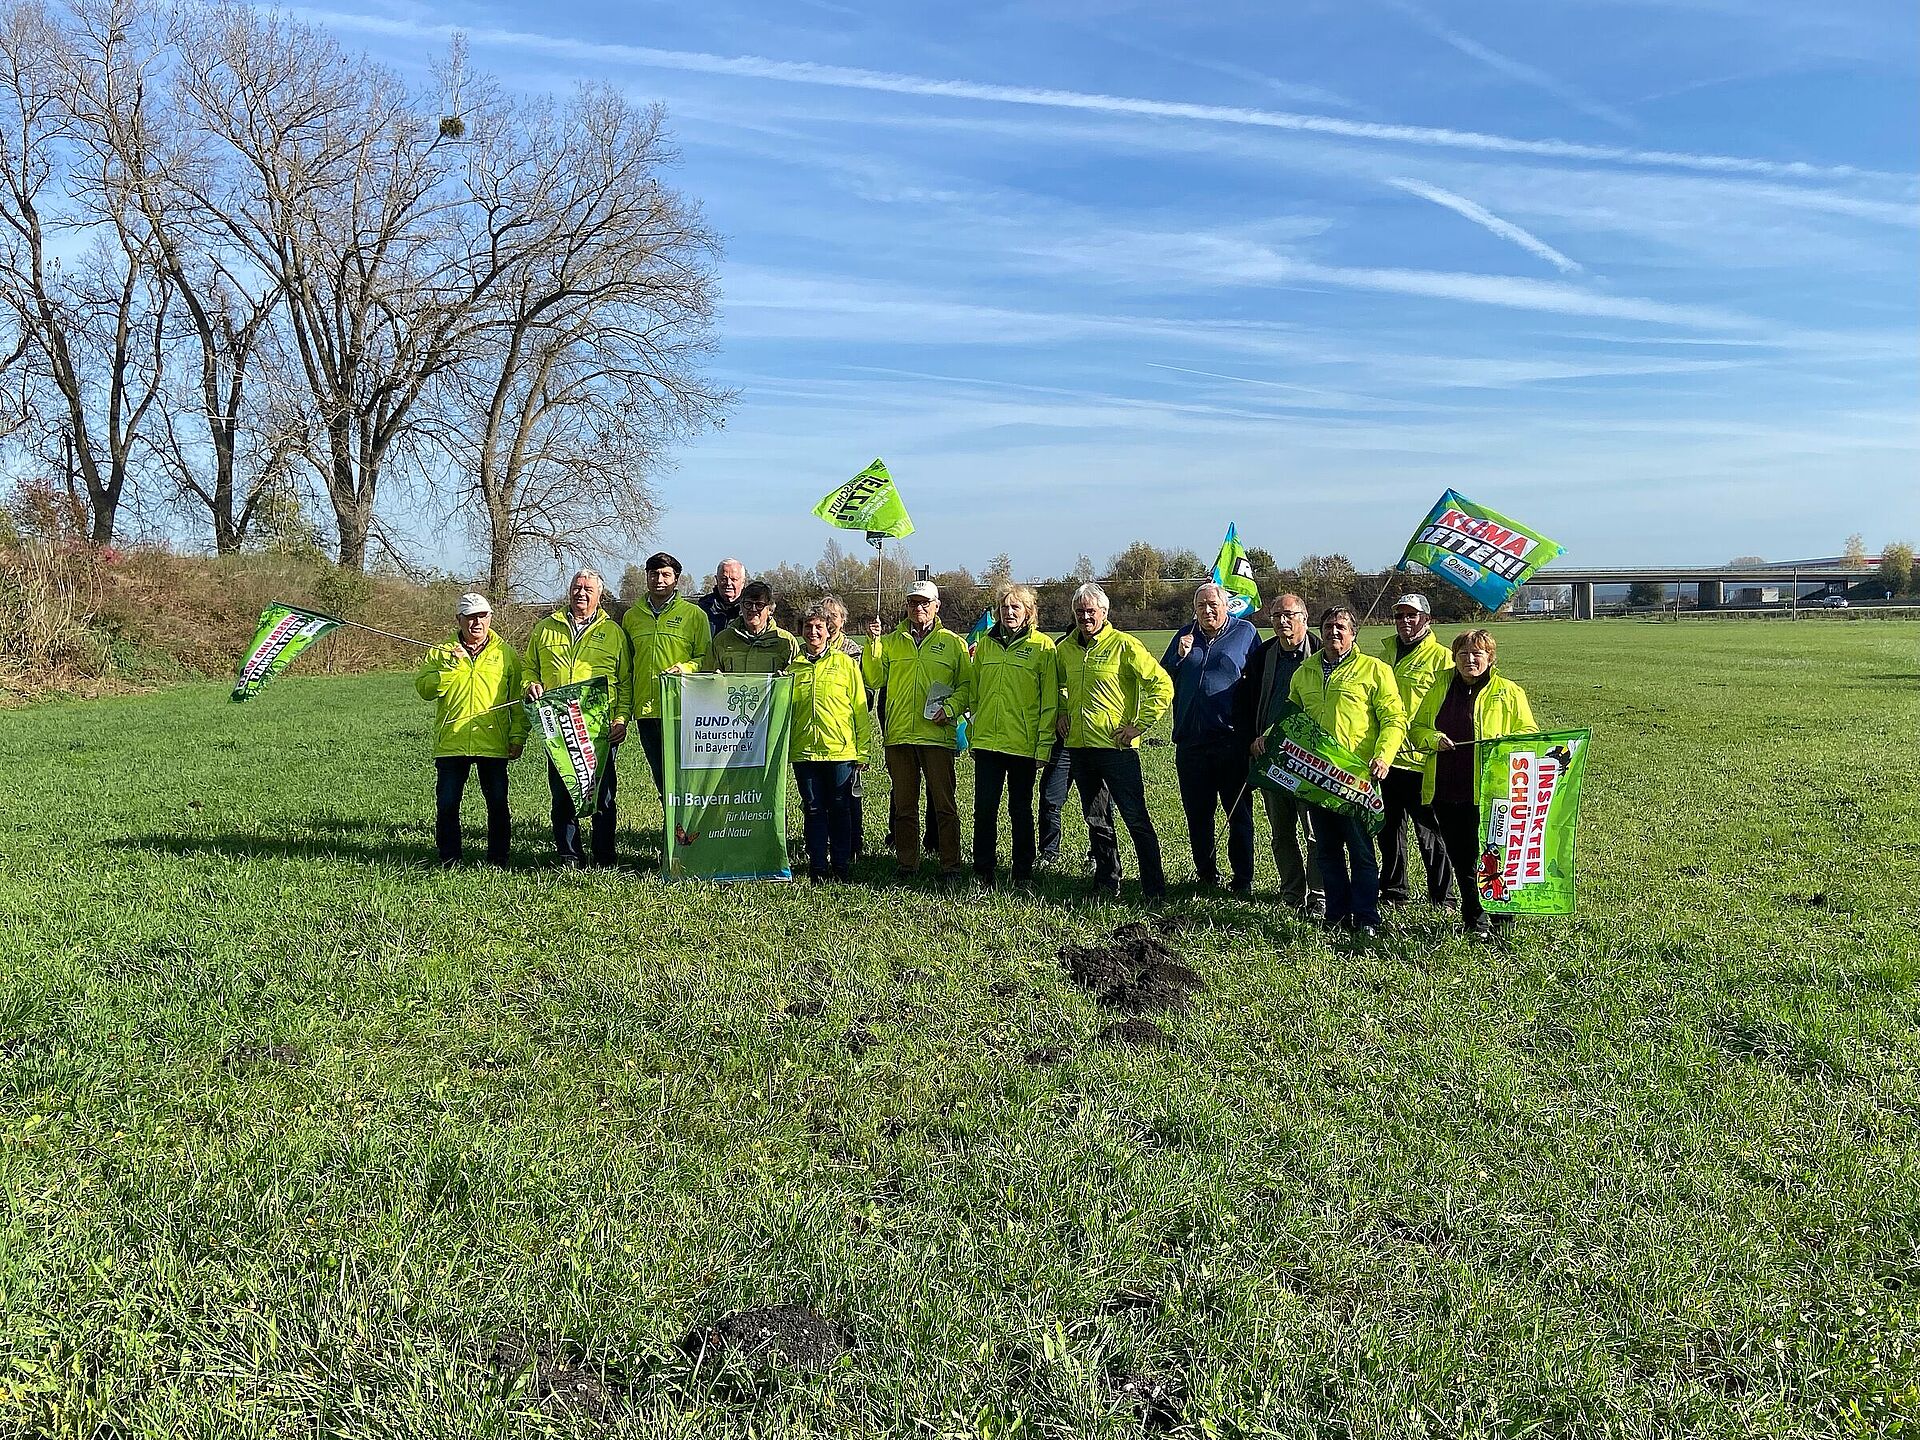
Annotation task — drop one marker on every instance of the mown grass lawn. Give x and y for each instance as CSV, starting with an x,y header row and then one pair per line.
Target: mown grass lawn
x,y
298,1136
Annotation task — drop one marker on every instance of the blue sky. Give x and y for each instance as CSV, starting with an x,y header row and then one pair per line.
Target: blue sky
x,y
1641,273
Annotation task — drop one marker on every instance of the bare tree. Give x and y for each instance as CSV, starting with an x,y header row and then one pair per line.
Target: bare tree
x,y
336,194
586,325
94,323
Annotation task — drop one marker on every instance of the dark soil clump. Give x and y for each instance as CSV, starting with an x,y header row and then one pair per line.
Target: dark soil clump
x,y
806,1009
1161,1403
1046,1055
1005,989
860,1039
1135,971
559,1383
1135,1032
790,1334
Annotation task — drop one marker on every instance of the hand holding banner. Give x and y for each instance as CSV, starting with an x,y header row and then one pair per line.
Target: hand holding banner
x,y
575,720
1309,764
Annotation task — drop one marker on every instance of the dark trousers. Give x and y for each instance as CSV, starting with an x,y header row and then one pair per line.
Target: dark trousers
x,y
1348,869
1400,793
1055,779
450,783
1108,780
907,766
826,808
993,772
649,732
1213,777
1460,829
566,819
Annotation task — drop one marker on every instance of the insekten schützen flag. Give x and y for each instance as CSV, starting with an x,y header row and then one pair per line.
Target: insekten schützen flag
x,y
1477,550
285,630
1234,572
867,502
1529,791
575,720
1309,764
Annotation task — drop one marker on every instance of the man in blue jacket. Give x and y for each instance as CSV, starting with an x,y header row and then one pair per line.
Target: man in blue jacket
x,y
1208,663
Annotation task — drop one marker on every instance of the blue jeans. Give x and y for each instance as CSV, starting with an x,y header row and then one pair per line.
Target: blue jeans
x,y
566,820
1213,777
450,783
826,807
1108,780
1351,895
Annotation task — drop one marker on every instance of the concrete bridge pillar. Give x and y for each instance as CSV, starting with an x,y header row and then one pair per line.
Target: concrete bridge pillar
x,y
1583,599
1713,594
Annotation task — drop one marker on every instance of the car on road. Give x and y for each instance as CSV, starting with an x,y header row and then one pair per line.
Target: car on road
x,y
1835,602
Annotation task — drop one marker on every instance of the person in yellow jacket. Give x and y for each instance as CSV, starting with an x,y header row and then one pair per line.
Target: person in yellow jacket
x,y
582,642
1470,705
1112,691
1420,662
478,725
832,738
929,680
751,644
666,632
1016,697
1354,698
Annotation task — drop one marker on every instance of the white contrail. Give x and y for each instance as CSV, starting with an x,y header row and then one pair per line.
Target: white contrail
x,y
802,72
1513,69
1487,220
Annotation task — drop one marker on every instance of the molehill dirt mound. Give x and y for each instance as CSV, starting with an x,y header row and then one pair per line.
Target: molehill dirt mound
x,y
1134,971
560,1380
1161,1403
259,1057
791,1334
1046,1055
1135,1032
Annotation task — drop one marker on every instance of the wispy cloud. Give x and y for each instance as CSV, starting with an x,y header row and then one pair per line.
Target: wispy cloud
x,y
1511,68
799,72
1487,220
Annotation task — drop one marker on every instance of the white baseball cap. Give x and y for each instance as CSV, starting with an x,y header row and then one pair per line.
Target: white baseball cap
x,y
923,590
1413,602
472,603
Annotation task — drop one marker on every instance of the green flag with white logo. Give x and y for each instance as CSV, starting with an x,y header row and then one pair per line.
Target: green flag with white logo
x,y
1233,572
724,747
575,719
1529,792
869,502
285,630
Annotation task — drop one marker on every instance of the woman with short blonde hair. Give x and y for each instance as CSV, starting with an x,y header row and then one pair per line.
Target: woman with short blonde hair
x,y
1015,698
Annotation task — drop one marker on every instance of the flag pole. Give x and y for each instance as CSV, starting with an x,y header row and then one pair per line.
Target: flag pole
x,y
423,644
878,540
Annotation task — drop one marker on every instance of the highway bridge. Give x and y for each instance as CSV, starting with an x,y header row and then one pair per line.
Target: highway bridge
x,y
1712,581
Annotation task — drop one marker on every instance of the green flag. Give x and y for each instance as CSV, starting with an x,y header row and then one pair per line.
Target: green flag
x,y
724,747
284,632
1477,550
1529,791
867,502
1311,765
575,720
1234,573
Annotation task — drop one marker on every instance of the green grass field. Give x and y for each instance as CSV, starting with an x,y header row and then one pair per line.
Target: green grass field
x,y
301,1137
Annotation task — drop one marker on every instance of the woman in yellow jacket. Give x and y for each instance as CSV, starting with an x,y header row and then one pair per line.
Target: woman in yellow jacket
x,y
1476,705
474,680
1016,695
832,737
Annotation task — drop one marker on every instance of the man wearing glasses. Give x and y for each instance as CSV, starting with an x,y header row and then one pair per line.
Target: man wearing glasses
x,y
1270,674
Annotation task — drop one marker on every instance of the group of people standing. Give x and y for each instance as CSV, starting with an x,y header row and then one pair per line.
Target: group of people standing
x,y
1042,715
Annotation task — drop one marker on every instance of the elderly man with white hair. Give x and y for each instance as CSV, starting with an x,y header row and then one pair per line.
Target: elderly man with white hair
x,y
582,642
1208,662
1112,692
722,603
473,682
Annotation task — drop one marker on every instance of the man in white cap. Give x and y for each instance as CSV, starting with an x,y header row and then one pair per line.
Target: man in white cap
x,y
475,683
1419,660
929,678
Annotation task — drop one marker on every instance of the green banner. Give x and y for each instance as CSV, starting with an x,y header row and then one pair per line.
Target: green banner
x,y
1233,572
285,630
867,502
1529,790
575,720
724,743
1311,765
